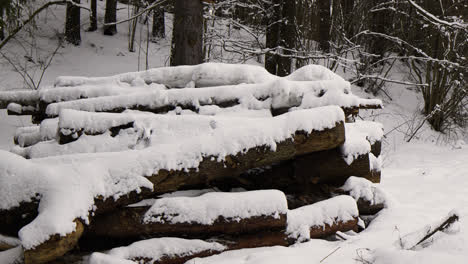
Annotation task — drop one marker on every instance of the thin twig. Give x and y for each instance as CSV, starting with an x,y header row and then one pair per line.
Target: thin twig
x,y
336,249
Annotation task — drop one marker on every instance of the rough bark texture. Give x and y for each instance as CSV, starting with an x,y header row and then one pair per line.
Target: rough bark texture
x,y
187,34
272,36
376,148
177,259
306,174
128,223
53,248
320,231
158,30
324,24
72,24
2,30
287,36
110,17
93,16
329,167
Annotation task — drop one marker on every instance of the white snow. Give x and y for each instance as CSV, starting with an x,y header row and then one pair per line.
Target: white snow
x,y
359,137
360,188
11,256
68,184
207,208
340,208
155,249
203,75
12,241
280,93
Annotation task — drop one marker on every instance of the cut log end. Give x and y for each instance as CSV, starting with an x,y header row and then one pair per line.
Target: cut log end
x,y
55,247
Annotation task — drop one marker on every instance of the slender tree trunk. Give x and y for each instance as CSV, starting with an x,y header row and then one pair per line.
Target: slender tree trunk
x,y
287,36
324,15
2,24
158,23
187,35
348,6
110,17
93,16
272,36
72,24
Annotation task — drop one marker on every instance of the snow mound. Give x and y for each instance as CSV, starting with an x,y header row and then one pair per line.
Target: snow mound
x,y
359,137
155,249
340,208
209,207
203,75
360,188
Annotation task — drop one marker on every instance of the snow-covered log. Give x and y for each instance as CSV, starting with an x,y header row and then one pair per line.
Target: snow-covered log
x,y
323,218
166,250
205,75
279,94
138,131
8,242
210,214
19,97
55,247
70,187
370,197
202,75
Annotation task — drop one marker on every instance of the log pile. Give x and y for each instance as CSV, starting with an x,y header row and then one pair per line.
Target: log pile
x,y
124,142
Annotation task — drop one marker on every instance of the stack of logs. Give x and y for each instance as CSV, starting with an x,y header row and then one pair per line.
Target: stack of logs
x,y
309,168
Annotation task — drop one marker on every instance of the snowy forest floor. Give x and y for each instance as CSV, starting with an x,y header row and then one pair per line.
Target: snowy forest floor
x,y
424,178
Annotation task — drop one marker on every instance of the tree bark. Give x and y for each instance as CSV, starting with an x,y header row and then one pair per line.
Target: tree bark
x,y
324,17
2,23
110,17
93,16
272,37
158,30
72,24
287,37
187,35
128,223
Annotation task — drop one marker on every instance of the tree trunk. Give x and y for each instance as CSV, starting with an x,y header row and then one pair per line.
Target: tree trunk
x,y
2,24
159,30
187,36
272,37
110,17
287,36
93,16
324,16
72,24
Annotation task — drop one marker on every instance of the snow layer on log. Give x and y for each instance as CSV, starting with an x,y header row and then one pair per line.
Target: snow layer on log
x,y
12,256
185,193
85,144
67,185
67,192
203,75
8,242
209,207
360,188
59,94
341,208
156,249
274,94
23,97
359,137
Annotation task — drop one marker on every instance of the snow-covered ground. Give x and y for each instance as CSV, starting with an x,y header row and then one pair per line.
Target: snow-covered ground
x,y
425,179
